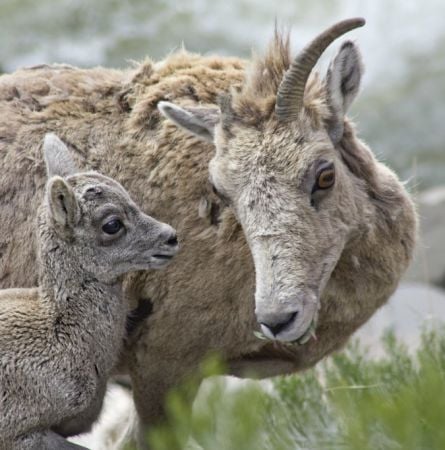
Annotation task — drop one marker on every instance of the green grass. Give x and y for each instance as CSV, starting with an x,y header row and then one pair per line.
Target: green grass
x,y
348,402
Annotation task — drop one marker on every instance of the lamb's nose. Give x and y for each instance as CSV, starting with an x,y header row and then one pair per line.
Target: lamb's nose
x,y
168,238
276,323
172,241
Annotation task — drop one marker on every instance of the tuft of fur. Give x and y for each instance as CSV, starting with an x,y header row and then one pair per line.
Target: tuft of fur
x,y
254,103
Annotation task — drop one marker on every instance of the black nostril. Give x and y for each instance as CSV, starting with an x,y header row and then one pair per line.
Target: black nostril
x,y
277,327
173,240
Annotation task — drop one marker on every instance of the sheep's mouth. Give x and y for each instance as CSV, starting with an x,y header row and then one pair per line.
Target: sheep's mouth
x,y
308,334
160,260
303,339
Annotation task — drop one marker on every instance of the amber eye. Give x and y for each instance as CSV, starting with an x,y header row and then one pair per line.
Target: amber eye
x,y
326,178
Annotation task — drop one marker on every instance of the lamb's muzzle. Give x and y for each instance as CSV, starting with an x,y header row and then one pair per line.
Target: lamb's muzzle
x,y
167,249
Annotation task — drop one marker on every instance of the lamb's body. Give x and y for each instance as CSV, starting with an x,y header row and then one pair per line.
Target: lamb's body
x,y
205,302
70,361
60,341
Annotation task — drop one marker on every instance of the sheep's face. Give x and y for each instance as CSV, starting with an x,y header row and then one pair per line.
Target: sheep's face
x,y
102,227
276,165
292,195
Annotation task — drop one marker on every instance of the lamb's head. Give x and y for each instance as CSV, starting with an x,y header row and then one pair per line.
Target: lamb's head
x,y
277,165
97,217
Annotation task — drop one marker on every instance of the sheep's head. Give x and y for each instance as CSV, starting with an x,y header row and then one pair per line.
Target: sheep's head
x,y
97,219
276,165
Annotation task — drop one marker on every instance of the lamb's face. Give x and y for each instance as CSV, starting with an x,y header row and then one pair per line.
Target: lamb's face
x,y
99,222
113,234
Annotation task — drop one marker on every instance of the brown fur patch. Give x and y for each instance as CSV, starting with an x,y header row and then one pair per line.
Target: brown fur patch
x,y
181,75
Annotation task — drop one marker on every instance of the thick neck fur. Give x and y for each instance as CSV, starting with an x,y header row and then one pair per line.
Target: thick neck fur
x,y
84,312
385,221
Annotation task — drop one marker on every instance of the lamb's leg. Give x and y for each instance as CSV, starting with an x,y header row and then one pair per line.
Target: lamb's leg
x,y
45,440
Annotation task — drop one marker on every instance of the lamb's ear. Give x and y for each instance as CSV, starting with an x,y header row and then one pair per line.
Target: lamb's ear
x,y
63,206
198,121
57,157
343,83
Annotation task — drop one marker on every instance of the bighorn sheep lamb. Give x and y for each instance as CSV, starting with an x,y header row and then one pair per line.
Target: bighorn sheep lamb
x,y
59,342
301,205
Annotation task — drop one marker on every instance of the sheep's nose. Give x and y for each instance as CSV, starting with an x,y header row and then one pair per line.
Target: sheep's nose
x,y
276,323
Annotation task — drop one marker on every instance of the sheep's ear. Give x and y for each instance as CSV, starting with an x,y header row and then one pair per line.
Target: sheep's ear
x,y
63,205
57,157
199,121
343,83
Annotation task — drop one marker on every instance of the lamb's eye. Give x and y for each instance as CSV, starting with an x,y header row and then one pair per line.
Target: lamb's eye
x,y
326,178
113,226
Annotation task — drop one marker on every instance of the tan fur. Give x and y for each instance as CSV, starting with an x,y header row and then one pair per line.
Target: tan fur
x,y
204,302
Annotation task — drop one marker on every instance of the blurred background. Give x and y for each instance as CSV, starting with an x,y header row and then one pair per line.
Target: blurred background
x,y
400,111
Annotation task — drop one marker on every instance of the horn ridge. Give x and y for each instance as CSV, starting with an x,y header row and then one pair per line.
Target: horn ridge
x,y
291,90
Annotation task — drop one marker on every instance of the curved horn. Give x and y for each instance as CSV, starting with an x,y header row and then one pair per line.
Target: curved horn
x,y
291,91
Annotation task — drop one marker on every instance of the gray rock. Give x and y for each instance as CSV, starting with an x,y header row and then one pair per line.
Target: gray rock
x,y
429,261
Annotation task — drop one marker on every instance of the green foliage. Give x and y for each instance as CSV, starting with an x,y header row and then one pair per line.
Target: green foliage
x,y
391,403
348,402
182,423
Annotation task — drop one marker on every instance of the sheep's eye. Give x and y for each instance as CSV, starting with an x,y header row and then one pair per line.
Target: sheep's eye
x,y
113,226
326,178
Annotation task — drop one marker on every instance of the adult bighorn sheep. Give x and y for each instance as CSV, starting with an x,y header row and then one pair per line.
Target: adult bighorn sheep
x,y
60,341
330,229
